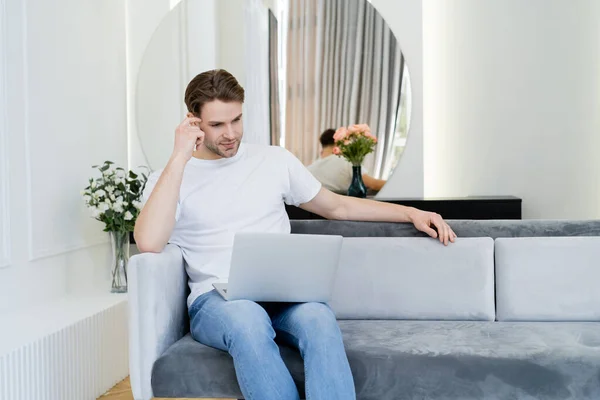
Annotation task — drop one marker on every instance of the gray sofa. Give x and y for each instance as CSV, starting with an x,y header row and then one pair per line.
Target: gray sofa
x,y
510,311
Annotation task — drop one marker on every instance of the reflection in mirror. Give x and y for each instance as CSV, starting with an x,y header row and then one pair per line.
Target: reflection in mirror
x,y
338,64
306,66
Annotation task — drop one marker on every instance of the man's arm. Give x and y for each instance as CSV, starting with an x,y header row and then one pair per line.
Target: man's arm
x,y
156,221
334,206
373,183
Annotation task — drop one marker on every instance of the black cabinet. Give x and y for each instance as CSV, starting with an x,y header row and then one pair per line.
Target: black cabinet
x,y
479,207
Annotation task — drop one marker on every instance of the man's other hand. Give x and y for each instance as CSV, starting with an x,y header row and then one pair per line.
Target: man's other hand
x,y
433,225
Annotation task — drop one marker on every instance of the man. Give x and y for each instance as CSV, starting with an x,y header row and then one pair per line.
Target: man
x,y
214,186
334,172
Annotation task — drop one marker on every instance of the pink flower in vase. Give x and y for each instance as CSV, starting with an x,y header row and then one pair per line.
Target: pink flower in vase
x,y
337,151
340,134
360,128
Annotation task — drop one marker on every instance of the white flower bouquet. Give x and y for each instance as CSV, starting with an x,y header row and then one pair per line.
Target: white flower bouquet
x,y
115,199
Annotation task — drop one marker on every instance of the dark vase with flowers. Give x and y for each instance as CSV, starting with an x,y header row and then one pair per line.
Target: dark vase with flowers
x,y
357,186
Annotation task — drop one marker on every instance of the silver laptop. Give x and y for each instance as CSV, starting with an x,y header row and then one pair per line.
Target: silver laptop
x,y
282,267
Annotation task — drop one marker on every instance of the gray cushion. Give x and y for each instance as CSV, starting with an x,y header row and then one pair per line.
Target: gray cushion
x,y
424,360
548,279
415,278
463,228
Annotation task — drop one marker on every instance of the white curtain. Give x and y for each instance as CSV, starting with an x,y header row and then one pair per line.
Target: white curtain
x,y
344,66
256,60
302,58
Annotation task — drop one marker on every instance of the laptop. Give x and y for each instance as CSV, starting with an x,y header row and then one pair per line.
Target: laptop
x,y
282,267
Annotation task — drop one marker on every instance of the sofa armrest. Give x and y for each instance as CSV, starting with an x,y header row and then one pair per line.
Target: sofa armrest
x,y
157,312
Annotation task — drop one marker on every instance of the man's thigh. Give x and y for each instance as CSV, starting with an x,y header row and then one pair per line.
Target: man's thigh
x,y
213,320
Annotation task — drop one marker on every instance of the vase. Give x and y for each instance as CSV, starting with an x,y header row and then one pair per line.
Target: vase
x,y
120,257
357,186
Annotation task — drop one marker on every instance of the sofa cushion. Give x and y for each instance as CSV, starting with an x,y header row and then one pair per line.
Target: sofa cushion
x,y
424,360
552,279
415,278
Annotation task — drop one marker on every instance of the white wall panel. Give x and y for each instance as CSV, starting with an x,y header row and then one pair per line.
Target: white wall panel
x,y
75,115
4,155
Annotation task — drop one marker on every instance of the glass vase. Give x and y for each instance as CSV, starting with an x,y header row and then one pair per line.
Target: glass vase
x,y
357,186
120,257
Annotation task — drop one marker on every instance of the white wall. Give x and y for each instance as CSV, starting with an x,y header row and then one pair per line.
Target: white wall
x,y
65,91
167,48
4,188
182,46
405,20
231,38
202,26
253,54
159,89
143,18
511,103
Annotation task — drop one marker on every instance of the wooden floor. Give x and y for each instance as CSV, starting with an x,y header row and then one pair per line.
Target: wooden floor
x,y
122,391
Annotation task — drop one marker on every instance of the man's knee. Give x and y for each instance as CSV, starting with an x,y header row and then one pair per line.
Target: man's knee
x,y
247,322
317,318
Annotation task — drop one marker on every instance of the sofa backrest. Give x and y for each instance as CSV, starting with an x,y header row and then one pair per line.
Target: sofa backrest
x,y
548,279
552,273
415,278
463,228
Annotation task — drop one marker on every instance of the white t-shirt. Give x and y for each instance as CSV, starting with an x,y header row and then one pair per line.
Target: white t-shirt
x,y
334,172
244,193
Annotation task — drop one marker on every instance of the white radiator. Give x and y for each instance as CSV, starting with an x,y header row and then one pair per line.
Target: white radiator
x,y
78,362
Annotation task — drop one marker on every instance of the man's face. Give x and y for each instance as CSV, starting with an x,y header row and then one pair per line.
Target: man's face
x,y
222,126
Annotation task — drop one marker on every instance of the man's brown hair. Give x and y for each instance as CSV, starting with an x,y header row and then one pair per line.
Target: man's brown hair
x,y
216,84
326,138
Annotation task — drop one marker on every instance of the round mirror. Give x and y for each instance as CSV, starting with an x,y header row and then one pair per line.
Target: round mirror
x,y
306,65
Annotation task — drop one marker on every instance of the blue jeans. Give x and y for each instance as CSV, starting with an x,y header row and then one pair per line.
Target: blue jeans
x,y
247,331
